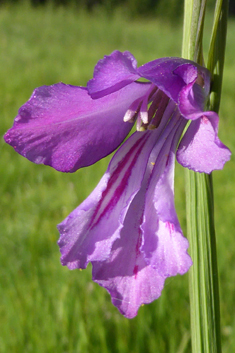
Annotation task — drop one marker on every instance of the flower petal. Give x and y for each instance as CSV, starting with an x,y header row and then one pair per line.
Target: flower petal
x,y
172,74
192,99
168,74
191,72
63,127
164,245
112,73
149,249
200,148
88,233
126,276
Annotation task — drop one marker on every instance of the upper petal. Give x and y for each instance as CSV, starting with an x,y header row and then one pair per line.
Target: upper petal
x,y
172,74
192,99
63,127
112,73
200,148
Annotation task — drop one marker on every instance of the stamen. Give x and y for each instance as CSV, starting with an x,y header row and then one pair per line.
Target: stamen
x,y
144,110
148,117
156,100
144,114
140,126
159,112
133,111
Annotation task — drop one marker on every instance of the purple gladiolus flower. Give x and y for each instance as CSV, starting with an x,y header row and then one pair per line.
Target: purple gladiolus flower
x,y
127,227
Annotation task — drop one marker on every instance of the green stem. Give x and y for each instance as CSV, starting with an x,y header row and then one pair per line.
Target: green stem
x,y
217,52
203,276
194,13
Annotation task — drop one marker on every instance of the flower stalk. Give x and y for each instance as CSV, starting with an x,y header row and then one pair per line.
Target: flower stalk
x,y
203,276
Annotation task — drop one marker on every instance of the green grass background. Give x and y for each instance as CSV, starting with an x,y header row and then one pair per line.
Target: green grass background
x,y
44,307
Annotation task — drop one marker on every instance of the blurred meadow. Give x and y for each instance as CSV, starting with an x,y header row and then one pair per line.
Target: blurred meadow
x,y
45,307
